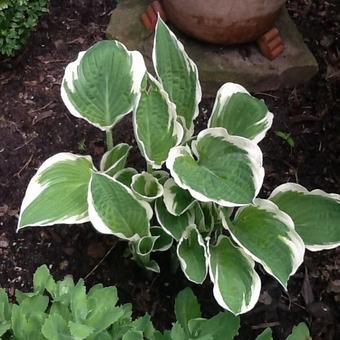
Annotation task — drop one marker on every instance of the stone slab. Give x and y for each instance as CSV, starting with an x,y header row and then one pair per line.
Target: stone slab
x,y
242,64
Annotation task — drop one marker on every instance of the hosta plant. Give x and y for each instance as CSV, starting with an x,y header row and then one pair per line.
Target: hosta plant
x,y
198,193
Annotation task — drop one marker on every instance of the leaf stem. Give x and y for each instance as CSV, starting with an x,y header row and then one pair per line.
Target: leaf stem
x,y
109,139
148,167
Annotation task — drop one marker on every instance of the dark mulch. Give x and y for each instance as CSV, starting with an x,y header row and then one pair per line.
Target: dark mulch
x,y
34,124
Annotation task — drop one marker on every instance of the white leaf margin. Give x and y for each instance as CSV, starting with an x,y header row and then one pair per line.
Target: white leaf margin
x,y
97,221
191,67
125,170
138,71
223,96
34,189
255,289
254,155
153,240
167,246
148,179
169,198
295,243
286,187
186,235
177,129
191,220
107,154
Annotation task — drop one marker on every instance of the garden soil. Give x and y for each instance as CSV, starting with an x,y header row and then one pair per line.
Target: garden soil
x,y
34,125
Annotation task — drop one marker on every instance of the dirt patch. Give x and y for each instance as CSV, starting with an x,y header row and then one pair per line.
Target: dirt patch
x,y
34,124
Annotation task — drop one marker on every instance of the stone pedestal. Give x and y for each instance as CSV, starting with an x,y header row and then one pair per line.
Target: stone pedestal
x,y
217,65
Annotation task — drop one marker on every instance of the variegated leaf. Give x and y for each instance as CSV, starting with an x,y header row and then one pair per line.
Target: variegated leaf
x,y
267,234
164,241
227,169
146,187
114,160
191,252
155,123
316,214
176,199
237,286
113,209
161,176
240,113
125,176
173,225
57,193
101,86
178,75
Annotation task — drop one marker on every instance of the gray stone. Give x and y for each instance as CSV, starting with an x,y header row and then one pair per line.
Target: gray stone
x,y
241,64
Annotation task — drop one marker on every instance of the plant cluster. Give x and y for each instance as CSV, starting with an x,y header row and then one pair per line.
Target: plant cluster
x,y
64,310
198,193
17,19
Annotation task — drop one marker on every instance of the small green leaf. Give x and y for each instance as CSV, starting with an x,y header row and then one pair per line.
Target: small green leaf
x,y
63,291
191,252
102,311
228,169
133,335
144,324
113,209
78,305
178,75
42,279
34,305
57,192
286,137
316,214
79,331
237,286
102,85
146,187
5,306
240,113
55,328
141,251
300,332
5,313
177,332
223,325
114,160
155,123
267,334
186,308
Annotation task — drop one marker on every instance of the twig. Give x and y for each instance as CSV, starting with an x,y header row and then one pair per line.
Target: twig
x,y
24,167
266,324
266,94
99,263
27,142
42,108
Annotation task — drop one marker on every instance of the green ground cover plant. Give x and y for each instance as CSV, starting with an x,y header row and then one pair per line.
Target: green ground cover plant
x,y
199,193
17,20
64,310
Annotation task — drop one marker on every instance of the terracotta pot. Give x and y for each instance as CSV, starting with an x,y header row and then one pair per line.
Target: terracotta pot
x,y
223,21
